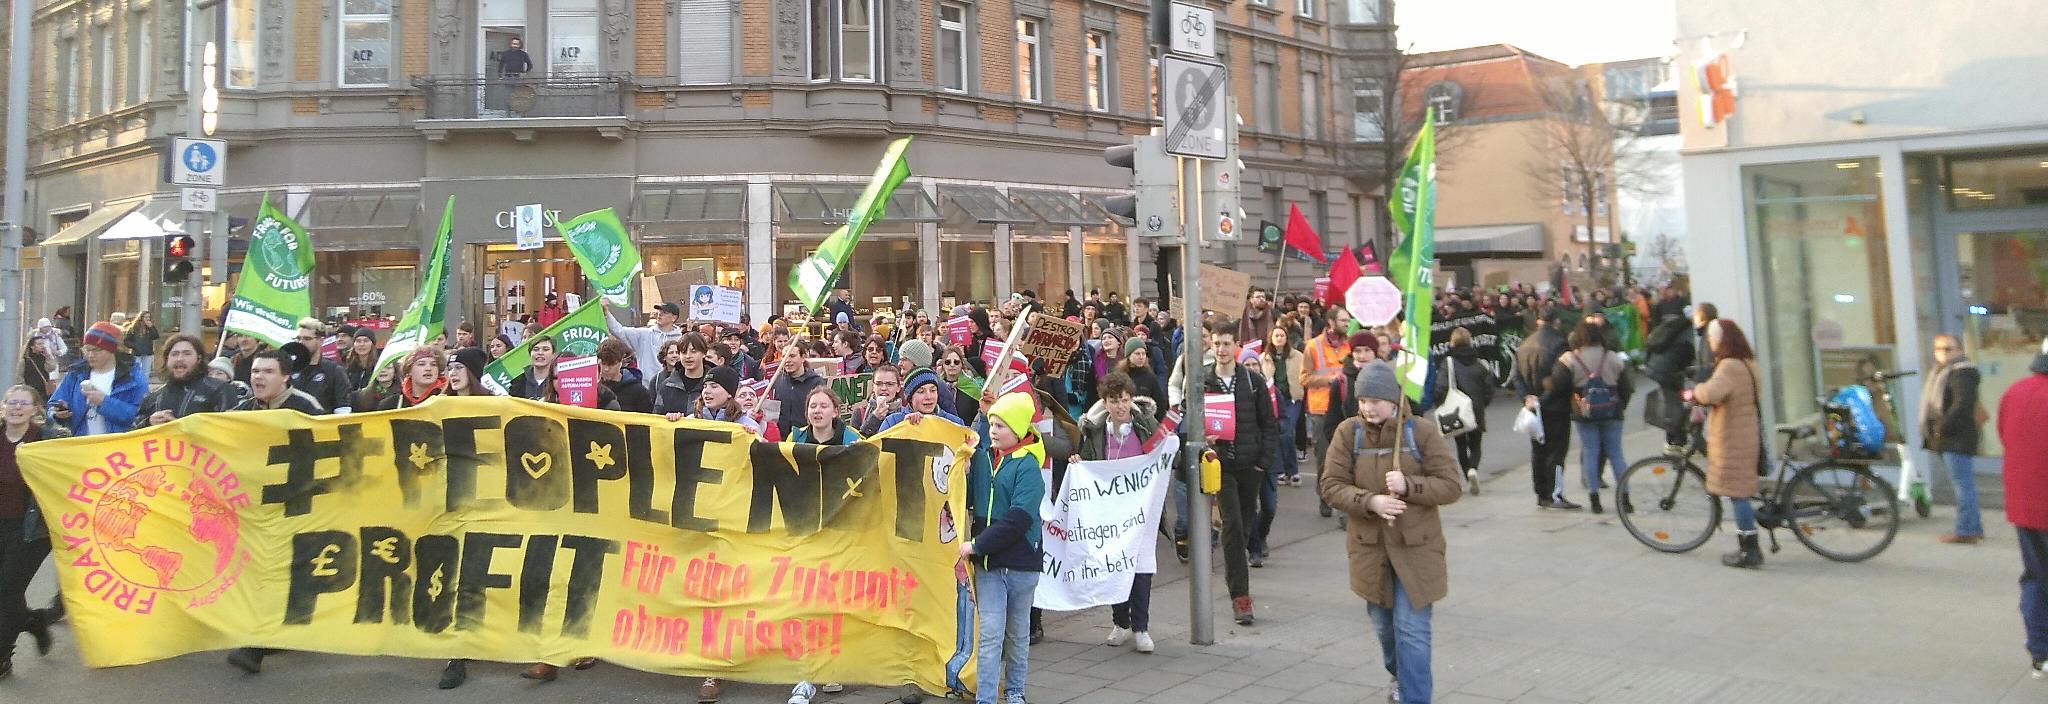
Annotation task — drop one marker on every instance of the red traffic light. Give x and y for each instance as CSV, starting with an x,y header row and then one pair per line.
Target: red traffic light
x,y
180,246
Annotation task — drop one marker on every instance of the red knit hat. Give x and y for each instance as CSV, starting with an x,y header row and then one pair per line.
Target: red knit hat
x,y
104,335
1367,340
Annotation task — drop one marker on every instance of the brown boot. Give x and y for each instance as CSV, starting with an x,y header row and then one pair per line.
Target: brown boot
x,y
708,692
541,671
1241,607
584,663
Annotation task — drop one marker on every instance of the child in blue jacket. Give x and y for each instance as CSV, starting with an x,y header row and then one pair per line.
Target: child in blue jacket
x,y
1006,500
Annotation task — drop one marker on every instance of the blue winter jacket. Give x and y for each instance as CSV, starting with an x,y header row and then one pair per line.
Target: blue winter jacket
x,y
117,410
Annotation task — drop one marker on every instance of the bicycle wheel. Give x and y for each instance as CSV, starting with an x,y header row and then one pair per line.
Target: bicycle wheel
x,y
1842,511
1663,502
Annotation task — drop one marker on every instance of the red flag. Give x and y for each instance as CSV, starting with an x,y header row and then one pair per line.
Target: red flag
x,y
1301,236
1564,287
1342,275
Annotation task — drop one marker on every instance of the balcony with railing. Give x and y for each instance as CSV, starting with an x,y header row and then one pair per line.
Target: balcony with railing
x,y
525,105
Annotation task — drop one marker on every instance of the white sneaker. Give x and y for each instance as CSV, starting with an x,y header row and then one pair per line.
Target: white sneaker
x,y
1118,635
1144,642
1393,691
2036,670
802,693
832,688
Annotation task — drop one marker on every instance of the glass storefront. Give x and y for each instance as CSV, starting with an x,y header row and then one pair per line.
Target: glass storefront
x,y
883,271
1105,265
116,275
1821,270
365,284
967,271
2005,291
515,282
1039,265
721,264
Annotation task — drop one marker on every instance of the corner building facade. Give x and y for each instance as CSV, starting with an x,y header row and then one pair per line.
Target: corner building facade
x,y
732,136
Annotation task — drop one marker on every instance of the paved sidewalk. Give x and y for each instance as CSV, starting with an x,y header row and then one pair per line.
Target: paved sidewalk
x,y
1544,607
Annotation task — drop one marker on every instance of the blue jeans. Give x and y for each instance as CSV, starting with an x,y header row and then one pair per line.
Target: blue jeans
x,y
1404,643
1961,470
1598,438
2034,590
1004,600
1287,463
1745,514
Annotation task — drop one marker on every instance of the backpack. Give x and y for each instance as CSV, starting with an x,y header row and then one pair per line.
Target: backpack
x,y
1407,438
1596,400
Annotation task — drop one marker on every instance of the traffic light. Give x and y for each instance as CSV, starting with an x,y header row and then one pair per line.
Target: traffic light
x,y
1222,211
178,250
1156,183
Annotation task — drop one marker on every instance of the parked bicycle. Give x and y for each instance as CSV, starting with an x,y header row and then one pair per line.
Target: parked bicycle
x,y
1836,508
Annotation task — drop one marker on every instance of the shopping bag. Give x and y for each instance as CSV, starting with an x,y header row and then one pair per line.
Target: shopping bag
x,y
1455,416
1527,422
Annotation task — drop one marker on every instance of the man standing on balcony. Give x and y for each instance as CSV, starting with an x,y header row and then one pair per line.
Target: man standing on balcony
x,y
513,61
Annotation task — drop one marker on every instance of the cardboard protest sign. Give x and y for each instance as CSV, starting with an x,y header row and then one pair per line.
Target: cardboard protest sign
x,y
714,303
502,529
1225,291
1052,340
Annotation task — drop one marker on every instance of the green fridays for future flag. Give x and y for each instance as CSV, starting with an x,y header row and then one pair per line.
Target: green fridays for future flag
x,y
1415,257
427,314
575,335
812,278
607,255
275,290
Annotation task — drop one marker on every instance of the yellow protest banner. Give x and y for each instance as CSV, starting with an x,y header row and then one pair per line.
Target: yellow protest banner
x,y
503,529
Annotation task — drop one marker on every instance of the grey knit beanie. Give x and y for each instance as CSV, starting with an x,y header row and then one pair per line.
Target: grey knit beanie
x,y
1377,381
919,353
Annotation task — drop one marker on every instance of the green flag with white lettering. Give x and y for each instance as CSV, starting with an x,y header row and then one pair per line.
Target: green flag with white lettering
x,y
1414,260
605,252
575,335
812,278
427,314
276,286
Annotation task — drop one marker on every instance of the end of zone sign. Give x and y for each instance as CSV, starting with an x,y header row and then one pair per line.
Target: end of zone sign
x,y
1193,98
196,162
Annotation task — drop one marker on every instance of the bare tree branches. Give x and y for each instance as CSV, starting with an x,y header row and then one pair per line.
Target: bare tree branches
x,y
1586,157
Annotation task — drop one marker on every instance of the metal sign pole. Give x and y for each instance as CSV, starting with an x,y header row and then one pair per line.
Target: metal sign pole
x,y
195,87
16,185
1201,592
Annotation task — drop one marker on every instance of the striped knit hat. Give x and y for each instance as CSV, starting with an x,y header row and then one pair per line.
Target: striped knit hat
x,y
104,335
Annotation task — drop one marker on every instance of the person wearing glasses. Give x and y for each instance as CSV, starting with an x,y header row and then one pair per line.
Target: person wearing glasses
x,y
24,540
1951,423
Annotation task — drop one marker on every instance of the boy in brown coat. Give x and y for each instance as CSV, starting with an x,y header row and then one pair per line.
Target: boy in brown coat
x,y
1389,473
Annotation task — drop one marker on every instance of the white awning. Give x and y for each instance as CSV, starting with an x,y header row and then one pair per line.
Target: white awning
x,y
1523,238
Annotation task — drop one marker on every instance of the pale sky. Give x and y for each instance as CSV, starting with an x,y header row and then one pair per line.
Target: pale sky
x,y
1572,31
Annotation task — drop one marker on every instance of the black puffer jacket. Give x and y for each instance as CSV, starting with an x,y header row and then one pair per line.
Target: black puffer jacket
x,y
1670,346
327,383
203,395
1257,429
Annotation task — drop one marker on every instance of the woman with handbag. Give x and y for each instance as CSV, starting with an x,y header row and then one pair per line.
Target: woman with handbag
x,y
1734,433
1466,373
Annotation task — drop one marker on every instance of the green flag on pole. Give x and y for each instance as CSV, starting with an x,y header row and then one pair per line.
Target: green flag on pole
x,y
424,318
812,278
575,335
605,252
1414,260
1627,323
276,286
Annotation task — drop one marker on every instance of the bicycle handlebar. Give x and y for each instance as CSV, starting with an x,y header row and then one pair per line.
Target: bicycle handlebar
x,y
1884,376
